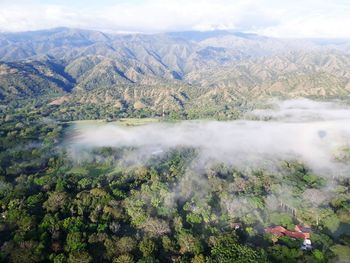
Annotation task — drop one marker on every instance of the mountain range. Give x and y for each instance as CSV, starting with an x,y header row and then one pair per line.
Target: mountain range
x,y
171,70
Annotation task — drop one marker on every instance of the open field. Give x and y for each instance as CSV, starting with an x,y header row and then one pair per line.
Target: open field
x,y
123,121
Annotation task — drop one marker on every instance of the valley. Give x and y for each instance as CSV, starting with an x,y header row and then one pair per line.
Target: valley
x,y
198,146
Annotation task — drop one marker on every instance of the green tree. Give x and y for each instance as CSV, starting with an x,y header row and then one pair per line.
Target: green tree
x,y
126,245
124,259
75,242
147,247
79,257
188,243
227,250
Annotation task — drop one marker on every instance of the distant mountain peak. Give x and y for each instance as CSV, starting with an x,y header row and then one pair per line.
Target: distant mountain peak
x,y
62,60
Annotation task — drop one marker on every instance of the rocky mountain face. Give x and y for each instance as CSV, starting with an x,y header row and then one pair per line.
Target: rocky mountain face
x,y
174,69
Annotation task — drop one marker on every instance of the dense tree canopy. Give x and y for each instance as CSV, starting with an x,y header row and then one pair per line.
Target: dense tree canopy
x,y
54,208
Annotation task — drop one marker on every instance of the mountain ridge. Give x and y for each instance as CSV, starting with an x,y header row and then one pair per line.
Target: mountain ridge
x,y
202,66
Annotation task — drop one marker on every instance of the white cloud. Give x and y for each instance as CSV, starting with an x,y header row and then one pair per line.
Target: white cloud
x,y
308,18
315,133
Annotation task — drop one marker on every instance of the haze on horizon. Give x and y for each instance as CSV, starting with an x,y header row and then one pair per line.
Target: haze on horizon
x,y
296,19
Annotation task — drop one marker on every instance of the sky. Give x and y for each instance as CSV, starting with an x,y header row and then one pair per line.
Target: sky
x,y
277,18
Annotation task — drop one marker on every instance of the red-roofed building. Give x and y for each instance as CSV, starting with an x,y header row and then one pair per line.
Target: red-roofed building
x,y
281,231
300,232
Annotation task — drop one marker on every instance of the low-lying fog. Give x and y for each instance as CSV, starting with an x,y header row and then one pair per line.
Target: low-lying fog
x,y
316,133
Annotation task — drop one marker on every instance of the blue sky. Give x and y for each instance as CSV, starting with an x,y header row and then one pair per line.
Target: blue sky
x,y
279,18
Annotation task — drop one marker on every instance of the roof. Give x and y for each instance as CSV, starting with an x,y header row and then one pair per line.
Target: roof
x,y
281,231
295,234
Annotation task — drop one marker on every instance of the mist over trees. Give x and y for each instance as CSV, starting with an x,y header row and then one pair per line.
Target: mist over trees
x,y
148,146
144,202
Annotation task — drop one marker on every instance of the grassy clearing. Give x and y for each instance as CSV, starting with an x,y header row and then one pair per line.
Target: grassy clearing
x,y
124,121
136,122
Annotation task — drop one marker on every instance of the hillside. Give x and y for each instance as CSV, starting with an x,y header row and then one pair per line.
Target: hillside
x,y
32,79
171,70
169,148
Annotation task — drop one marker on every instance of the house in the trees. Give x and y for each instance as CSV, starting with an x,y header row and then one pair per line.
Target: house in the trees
x,y
300,232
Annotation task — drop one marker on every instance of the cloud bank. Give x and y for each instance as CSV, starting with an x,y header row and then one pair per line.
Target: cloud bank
x,y
289,18
314,133
311,132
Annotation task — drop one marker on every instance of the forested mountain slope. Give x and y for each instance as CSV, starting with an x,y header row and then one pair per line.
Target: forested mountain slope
x,y
204,67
